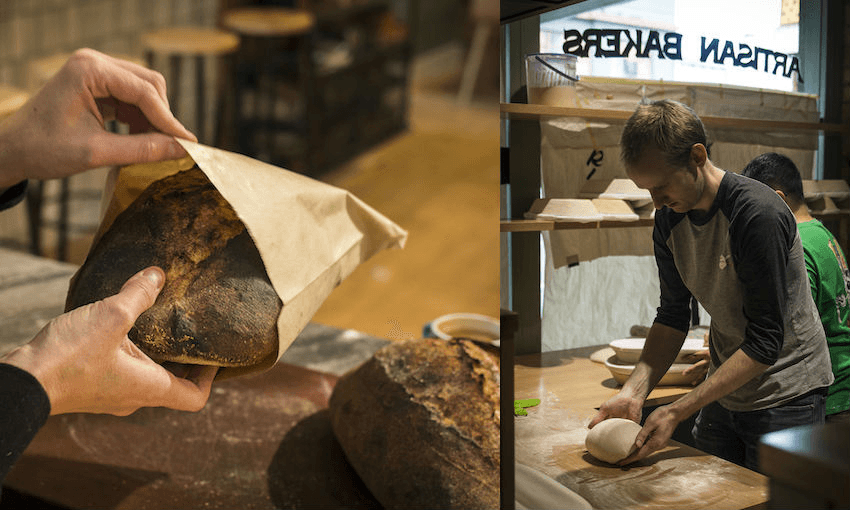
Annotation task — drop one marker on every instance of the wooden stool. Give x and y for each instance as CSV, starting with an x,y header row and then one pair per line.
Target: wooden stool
x,y
42,69
276,49
178,43
485,14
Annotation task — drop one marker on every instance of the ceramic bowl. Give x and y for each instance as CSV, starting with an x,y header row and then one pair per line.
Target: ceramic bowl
x,y
467,325
673,377
628,349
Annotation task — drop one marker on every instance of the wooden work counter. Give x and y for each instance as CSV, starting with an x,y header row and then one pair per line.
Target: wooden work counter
x,y
551,439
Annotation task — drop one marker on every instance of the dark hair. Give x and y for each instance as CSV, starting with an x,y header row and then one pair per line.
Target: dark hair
x,y
670,126
778,172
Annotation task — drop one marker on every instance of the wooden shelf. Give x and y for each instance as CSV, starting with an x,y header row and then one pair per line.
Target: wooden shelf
x,y
520,111
545,225
828,215
542,225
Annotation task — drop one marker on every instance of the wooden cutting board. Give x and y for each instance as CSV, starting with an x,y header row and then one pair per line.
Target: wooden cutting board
x,y
551,439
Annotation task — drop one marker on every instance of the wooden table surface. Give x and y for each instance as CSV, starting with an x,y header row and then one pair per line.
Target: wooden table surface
x,y
262,441
551,439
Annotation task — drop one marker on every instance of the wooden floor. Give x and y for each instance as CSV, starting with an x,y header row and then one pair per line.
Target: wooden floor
x,y
438,180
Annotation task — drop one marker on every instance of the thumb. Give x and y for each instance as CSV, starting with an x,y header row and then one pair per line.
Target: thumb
x,y
140,291
111,149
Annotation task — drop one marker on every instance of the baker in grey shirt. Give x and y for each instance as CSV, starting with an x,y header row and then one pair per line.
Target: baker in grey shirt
x,y
732,243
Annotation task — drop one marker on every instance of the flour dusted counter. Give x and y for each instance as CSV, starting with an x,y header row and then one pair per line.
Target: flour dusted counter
x,y
551,437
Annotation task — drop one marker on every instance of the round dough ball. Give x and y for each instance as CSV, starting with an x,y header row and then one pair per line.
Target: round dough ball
x,y
612,440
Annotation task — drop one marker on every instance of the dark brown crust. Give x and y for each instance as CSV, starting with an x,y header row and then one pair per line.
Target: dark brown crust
x,y
218,306
419,422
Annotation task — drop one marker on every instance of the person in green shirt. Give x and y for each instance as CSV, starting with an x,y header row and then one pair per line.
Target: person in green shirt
x,y
829,275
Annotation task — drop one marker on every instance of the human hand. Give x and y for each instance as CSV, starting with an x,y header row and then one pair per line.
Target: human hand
x,y
619,406
656,432
60,130
86,363
699,368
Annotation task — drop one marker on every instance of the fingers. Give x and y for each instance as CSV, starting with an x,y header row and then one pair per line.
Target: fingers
x,y
132,89
636,455
110,149
172,385
132,84
136,295
600,416
191,393
641,448
146,74
699,366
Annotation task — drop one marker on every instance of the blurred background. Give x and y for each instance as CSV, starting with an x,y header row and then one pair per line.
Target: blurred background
x,y
393,100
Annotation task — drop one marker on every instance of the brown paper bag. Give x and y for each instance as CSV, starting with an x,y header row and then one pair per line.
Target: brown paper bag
x,y
328,233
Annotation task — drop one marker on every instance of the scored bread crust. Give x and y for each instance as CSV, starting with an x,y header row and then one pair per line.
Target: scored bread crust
x,y
218,306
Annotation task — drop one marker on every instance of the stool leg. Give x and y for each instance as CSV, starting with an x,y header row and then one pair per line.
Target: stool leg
x,y
223,103
269,77
240,124
62,242
200,100
174,86
35,195
310,111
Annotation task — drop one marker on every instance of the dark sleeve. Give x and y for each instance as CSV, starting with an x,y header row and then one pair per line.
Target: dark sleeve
x,y
12,196
675,310
24,407
761,240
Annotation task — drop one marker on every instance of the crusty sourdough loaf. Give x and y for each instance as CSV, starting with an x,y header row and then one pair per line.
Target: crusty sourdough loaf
x,y
419,422
218,306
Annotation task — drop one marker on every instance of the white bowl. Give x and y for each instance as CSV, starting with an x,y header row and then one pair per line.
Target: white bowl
x,y
673,377
628,349
467,325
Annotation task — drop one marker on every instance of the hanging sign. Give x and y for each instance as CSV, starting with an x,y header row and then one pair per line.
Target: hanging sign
x,y
622,43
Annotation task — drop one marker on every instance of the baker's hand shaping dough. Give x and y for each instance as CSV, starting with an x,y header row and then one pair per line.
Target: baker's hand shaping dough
x,y
615,425
612,440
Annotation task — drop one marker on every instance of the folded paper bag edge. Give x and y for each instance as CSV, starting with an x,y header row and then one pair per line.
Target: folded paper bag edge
x,y
346,218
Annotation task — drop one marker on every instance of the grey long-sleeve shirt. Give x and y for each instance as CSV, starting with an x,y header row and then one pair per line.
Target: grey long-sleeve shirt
x,y
743,262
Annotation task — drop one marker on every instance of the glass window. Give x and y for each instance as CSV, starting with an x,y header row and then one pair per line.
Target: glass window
x,y
733,42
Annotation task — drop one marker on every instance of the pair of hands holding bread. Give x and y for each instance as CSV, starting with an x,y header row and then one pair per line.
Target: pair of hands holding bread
x,y
84,359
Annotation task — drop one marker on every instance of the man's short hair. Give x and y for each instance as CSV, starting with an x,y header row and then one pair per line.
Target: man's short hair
x,y
670,126
778,172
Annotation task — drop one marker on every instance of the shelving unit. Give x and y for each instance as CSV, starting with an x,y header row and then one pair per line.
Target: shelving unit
x,y
546,225
533,112
519,111
326,95
363,102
